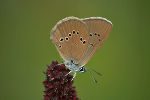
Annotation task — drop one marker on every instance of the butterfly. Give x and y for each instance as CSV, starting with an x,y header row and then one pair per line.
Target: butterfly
x,y
77,40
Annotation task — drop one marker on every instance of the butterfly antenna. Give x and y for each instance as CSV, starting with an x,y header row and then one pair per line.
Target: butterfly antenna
x,y
92,76
96,72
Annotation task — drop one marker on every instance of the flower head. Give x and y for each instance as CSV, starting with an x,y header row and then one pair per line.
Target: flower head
x,y
58,85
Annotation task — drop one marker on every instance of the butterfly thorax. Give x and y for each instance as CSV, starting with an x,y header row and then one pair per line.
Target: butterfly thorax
x,y
72,66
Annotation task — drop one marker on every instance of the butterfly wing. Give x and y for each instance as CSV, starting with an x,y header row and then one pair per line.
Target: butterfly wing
x,y
66,36
98,28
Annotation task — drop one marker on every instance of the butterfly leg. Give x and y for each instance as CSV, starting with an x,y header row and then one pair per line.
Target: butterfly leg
x,y
74,76
68,73
60,64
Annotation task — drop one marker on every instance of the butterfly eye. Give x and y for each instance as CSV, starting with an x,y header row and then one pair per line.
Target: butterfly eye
x,y
82,70
95,34
80,38
84,41
66,38
98,34
61,39
73,31
69,34
60,46
77,32
90,34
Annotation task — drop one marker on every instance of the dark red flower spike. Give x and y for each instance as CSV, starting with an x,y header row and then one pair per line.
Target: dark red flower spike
x,y
58,85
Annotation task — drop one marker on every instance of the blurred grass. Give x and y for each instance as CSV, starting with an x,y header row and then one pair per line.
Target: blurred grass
x,y
26,49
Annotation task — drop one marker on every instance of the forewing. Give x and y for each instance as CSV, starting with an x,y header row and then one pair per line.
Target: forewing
x,y
67,35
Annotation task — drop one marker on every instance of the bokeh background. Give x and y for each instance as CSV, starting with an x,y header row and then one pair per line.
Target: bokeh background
x,y
25,48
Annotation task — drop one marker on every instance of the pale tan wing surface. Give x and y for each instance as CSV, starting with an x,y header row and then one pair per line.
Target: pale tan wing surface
x,y
99,28
67,35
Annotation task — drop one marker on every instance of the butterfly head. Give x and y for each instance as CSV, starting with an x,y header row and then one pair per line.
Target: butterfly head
x,y
82,69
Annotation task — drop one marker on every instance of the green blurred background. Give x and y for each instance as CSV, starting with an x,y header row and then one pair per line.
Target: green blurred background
x,y
25,48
